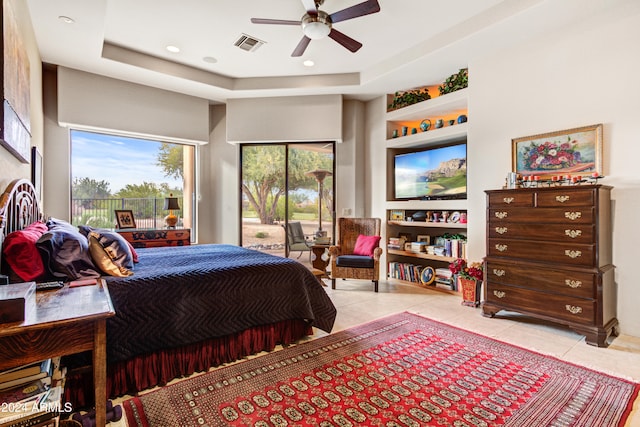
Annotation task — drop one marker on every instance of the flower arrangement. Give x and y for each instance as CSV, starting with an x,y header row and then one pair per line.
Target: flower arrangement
x,y
551,155
471,271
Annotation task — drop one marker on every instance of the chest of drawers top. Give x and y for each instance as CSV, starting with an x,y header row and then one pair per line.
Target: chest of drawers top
x,y
546,197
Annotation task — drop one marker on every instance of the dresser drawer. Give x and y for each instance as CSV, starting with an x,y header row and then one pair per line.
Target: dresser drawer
x,y
576,310
571,233
566,282
542,216
512,198
562,253
566,198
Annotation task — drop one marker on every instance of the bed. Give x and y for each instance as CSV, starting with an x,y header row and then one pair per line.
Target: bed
x,y
188,308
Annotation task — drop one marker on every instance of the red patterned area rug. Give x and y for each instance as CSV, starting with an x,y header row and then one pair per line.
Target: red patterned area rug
x,y
401,370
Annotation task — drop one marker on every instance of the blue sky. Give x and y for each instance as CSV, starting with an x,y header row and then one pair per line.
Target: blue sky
x,y
430,159
117,160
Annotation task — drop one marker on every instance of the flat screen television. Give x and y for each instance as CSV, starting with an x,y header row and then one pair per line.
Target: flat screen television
x,y
431,173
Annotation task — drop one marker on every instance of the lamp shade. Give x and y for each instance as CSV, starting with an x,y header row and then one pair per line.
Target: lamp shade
x,y
171,203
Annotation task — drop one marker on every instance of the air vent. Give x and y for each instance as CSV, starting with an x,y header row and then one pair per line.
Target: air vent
x,y
248,43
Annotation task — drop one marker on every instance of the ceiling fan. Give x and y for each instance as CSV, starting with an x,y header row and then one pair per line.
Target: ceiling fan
x,y
317,24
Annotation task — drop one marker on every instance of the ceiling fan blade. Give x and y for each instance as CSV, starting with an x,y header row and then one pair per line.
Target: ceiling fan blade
x,y
274,21
345,40
365,8
310,6
302,46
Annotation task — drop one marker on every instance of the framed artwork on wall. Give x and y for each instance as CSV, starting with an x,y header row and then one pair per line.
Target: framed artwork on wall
x,y
570,152
15,119
124,219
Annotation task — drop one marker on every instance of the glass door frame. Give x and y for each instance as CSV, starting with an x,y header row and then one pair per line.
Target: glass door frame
x,y
287,146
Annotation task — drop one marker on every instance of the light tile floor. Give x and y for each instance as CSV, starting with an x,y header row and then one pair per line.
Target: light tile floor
x,y
357,303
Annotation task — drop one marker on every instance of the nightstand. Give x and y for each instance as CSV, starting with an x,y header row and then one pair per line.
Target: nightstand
x,y
153,238
64,321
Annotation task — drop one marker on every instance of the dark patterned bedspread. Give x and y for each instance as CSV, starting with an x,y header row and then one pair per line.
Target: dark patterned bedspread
x,y
185,294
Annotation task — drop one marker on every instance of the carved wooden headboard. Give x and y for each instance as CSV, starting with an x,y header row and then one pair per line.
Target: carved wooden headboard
x,y
19,207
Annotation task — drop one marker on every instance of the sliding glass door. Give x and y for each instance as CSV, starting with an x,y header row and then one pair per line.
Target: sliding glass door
x,y
287,197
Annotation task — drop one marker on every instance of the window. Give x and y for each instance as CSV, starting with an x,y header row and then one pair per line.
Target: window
x,y
112,172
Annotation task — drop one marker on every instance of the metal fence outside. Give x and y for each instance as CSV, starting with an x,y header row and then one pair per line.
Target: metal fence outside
x,y
100,213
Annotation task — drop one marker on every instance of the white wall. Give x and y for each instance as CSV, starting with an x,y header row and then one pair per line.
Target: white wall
x,y
576,76
350,197
219,205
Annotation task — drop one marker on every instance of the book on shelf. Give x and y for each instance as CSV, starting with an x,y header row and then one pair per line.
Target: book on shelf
x,y
404,271
26,374
38,413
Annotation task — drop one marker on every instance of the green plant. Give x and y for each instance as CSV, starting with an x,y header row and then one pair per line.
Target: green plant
x,y
409,97
455,82
262,234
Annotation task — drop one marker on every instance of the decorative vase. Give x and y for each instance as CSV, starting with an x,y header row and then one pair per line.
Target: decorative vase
x,y
439,123
462,118
470,290
425,125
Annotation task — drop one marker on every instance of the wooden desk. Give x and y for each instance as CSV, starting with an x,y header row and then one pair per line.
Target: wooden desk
x,y
151,238
65,321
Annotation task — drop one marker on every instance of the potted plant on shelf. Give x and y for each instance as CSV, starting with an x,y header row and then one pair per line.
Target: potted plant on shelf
x,y
409,97
469,279
455,82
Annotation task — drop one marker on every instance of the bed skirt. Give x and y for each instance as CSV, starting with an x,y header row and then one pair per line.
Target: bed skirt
x,y
149,370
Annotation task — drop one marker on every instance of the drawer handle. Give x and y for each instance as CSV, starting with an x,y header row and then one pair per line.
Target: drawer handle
x,y
508,200
573,283
573,233
573,309
500,294
501,247
501,215
501,230
573,215
499,273
562,199
572,254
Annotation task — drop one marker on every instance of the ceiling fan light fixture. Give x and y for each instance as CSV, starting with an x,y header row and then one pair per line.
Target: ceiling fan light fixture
x,y
316,26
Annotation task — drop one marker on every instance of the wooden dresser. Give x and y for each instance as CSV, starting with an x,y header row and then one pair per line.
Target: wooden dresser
x,y
549,256
151,238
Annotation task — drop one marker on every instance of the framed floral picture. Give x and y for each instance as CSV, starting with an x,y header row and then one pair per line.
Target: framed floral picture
x,y
570,152
125,219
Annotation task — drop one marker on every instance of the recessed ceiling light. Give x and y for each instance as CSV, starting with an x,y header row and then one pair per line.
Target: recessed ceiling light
x,y
173,49
309,63
66,19
210,59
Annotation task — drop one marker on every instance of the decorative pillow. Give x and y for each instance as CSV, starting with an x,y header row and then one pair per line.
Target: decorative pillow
x,y
122,250
110,255
365,245
21,253
65,252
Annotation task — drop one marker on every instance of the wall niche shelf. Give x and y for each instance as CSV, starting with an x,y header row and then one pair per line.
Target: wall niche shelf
x,y
446,107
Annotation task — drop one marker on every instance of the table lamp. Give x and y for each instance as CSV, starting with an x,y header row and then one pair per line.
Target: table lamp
x,y
171,204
